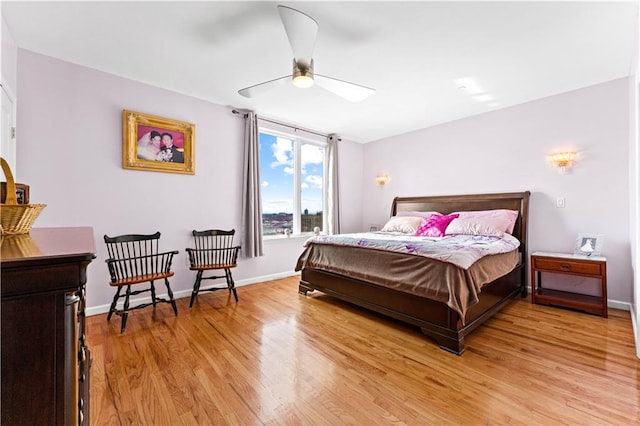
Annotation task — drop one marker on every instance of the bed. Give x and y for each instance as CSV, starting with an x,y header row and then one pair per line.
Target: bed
x,y
436,318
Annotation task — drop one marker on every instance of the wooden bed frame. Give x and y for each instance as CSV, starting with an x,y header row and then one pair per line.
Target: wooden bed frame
x,y
435,319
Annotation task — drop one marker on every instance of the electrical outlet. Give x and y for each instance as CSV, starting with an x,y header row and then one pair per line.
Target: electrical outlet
x,y
560,202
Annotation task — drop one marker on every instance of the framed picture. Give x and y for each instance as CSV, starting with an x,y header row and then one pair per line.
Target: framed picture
x,y
589,244
157,144
373,228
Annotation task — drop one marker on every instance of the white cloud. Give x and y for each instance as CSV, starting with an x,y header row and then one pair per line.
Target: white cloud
x,y
264,183
303,185
282,152
288,170
311,154
314,180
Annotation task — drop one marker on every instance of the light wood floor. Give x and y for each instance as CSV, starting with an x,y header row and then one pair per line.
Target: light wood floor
x,y
280,358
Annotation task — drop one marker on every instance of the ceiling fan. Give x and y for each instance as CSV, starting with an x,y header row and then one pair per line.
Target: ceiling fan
x,y
302,30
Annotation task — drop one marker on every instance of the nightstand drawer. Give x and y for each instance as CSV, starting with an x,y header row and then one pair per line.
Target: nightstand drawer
x,y
562,265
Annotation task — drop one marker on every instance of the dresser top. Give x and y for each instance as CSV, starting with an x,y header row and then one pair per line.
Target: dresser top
x,y
47,245
570,256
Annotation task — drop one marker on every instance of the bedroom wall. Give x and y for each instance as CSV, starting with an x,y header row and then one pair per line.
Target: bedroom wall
x,y
505,151
70,153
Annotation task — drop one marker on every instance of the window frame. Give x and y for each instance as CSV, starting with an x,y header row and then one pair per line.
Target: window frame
x,y
298,138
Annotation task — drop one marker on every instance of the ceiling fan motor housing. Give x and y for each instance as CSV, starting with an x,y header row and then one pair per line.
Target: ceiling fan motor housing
x,y
302,75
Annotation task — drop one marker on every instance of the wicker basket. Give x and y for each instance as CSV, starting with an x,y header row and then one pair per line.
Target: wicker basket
x,y
16,218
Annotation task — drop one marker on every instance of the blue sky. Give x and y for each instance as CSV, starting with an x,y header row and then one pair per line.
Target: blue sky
x,y
276,175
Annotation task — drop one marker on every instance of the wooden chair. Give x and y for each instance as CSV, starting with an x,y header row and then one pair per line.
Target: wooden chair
x,y
135,259
214,250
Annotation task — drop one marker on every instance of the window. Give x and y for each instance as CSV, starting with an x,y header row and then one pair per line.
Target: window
x,y
292,171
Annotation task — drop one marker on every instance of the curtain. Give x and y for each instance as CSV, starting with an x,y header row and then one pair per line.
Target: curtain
x,y
251,201
333,202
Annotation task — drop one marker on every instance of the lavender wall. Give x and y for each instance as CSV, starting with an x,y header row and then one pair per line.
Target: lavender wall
x,y
505,150
70,152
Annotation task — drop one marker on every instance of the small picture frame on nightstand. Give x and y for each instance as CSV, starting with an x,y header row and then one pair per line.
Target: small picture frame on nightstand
x,y
589,245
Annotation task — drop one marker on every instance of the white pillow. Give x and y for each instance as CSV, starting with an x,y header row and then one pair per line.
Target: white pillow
x,y
489,226
405,224
509,215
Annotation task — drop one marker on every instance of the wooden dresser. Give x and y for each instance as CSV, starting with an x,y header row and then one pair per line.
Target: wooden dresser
x,y
45,360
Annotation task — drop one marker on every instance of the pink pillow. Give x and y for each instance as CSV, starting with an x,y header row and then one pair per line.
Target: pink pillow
x,y
509,216
435,225
489,226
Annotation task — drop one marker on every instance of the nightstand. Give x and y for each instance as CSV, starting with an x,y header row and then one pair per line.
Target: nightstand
x,y
569,264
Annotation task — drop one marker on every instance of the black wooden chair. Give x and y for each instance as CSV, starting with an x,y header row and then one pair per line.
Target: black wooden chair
x,y
135,259
214,250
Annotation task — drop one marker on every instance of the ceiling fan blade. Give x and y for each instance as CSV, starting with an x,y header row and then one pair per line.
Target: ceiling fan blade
x,y
258,89
350,91
301,30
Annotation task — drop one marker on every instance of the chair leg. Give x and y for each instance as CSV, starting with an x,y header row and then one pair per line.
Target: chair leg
x,y
153,294
231,284
125,310
170,293
196,288
112,309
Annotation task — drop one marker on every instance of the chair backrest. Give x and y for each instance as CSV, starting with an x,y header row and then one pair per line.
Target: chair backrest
x,y
136,255
214,247
132,245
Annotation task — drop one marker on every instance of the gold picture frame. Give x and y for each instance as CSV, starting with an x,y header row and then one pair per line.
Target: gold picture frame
x,y
157,144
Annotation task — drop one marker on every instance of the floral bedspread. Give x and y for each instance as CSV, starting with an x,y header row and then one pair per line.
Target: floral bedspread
x,y
460,250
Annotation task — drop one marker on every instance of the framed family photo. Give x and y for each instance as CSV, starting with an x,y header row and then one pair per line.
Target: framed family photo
x,y
157,144
589,244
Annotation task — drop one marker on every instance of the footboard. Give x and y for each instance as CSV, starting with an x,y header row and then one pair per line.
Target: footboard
x,y
436,320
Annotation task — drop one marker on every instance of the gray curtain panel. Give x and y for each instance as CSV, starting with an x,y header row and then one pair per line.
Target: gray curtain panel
x,y
333,218
251,201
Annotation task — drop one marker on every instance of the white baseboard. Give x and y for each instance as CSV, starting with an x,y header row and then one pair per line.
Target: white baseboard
x,y
636,332
616,304
103,309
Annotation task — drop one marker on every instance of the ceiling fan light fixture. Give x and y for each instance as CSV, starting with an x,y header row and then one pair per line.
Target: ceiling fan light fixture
x,y
302,81
302,76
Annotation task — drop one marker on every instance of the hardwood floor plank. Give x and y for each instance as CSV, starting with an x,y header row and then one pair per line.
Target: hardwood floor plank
x,y
277,357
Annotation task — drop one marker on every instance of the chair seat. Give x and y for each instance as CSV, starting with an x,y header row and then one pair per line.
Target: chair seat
x,y
212,266
141,279
214,251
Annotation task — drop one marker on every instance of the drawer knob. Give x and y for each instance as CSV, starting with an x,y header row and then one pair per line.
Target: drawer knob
x,y
565,266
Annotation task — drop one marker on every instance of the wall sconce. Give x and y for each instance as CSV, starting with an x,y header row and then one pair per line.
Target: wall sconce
x,y
382,179
562,160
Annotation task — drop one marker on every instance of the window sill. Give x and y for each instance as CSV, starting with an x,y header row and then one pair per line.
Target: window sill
x,y
285,237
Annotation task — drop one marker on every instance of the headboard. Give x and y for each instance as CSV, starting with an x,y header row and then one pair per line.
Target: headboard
x,y
450,203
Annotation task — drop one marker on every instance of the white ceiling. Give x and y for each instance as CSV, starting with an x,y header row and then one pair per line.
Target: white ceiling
x,y
413,53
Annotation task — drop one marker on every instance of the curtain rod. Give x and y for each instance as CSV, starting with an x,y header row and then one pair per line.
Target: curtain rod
x,y
244,114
